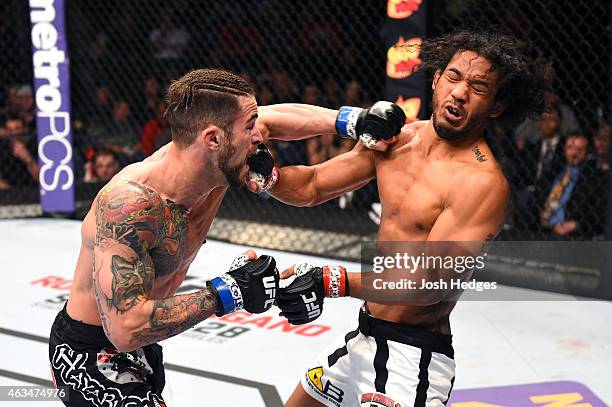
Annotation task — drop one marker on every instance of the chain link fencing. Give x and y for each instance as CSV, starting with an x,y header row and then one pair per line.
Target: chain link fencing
x,y
19,194
124,54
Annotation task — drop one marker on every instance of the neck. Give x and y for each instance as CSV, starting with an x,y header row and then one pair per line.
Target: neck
x,y
187,179
441,145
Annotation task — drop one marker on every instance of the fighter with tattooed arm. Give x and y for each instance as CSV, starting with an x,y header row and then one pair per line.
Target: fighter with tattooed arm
x,y
438,182
145,228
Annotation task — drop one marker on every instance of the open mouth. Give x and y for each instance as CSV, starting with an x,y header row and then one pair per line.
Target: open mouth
x,y
453,112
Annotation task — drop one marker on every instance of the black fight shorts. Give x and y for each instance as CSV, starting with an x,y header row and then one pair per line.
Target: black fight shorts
x,y
85,363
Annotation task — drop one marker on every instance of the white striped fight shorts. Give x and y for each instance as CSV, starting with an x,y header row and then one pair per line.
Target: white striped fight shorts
x,y
382,363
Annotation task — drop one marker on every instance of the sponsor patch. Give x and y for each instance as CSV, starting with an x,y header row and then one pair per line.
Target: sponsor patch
x,y
324,387
377,400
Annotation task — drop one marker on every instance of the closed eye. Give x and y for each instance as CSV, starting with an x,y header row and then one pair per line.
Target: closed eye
x,y
480,89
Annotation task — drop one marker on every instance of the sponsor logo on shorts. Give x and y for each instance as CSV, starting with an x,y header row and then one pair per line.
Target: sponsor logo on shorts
x,y
136,373
324,388
69,369
377,400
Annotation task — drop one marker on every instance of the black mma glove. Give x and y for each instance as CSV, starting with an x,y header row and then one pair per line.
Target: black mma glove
x,y
250,285
373,126
263,172
302,301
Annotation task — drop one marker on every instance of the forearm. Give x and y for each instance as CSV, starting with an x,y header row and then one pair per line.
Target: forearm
x,y
160,319
294,121
296,186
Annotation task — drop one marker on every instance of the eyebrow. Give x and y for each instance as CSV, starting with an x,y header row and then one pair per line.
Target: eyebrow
x,y
474,81
253,117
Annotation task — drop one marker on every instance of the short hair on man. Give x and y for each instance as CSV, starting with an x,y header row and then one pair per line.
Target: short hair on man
x,y
203,97
523,79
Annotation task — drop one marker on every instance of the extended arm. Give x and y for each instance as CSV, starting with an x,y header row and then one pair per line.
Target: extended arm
x,y
311,185
294,121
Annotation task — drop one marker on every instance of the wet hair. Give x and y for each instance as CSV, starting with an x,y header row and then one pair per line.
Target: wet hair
x,y
523,78
203,97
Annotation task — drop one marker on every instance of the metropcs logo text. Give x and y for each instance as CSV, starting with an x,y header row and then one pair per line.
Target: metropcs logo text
x,y
53,122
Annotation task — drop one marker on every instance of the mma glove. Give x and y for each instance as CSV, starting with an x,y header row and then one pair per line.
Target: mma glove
x,y
301,301
250,285
263,172
373,126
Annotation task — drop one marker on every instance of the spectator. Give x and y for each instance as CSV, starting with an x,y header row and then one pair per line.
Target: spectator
x,y
155,132
120,135
18,164
544,154
311,95
168,41
152,96
572,202
25,105
11,106
103,104
264,94
331,91
353,95
103,166
601,142
283,88
529,130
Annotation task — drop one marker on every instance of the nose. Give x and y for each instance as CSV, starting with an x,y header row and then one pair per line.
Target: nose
x,y
460,92
257,137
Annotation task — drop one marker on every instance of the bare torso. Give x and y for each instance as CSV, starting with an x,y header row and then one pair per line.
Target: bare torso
x,y
184,234
414,188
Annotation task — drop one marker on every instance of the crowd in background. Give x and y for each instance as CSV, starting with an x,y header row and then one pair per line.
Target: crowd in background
x,y
558,169
558,172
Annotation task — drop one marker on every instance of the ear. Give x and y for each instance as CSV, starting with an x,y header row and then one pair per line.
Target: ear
x,y
436,78
498,108
211,137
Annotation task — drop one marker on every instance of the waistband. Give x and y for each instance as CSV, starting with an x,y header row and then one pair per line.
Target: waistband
x,y
413,335
79,333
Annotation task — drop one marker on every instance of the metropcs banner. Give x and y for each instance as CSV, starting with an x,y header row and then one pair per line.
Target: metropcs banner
x,y
52,92
403,34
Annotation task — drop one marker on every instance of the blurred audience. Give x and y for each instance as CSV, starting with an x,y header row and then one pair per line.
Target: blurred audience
x,y
168,41
530,129
155,132
602,146
18,159
102,167
120,135
572,200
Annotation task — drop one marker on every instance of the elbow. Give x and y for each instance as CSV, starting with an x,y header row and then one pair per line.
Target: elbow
x,y
121,342
122,336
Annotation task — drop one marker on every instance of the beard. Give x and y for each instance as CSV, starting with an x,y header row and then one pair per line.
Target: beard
x,y
231,172
449,133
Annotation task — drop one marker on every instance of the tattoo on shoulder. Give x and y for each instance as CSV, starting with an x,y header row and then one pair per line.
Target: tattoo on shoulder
x,y
129,213
479,155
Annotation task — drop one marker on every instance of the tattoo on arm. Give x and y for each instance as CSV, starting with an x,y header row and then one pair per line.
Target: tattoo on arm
x,y
132,222
174,315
